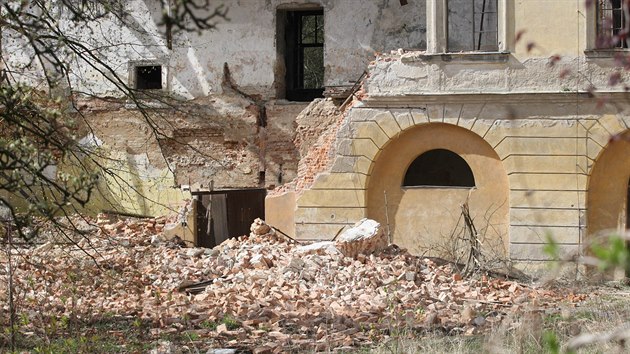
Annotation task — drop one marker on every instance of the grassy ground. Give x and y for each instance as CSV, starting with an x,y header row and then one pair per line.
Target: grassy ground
x,y
531,331
525,331
112,335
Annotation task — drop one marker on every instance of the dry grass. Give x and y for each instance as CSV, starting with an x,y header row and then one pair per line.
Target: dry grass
x,y
531,331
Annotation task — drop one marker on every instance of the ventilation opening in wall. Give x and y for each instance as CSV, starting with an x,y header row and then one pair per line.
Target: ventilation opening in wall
x,y
148,77
301,43
439,168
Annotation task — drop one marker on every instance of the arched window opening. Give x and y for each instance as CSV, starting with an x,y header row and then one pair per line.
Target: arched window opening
x,y
439,168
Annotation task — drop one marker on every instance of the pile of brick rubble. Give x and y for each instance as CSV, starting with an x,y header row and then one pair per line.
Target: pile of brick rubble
x,y
261,291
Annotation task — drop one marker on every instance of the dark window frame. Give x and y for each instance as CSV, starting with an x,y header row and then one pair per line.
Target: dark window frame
x,y
294,56
439,168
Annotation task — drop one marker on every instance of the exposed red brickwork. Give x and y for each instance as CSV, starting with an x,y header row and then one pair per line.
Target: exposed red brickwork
x,y
316,134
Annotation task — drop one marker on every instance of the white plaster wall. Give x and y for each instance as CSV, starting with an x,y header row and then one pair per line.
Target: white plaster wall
x,y
416,73
547,30
355,30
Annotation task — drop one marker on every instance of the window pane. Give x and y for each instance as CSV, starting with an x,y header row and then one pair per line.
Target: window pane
x,y
149,77
460,26
611,24
472,25
313,67
486,32
309,29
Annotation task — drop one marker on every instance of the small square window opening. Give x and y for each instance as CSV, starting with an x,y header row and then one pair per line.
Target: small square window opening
x,y
148,77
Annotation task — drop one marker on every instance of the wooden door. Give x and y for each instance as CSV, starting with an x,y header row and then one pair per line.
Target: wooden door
x,y
243,207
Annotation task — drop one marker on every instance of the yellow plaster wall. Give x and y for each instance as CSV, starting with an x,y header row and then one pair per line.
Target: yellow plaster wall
x,y
533,171
280,212
145,190
422,219
556,27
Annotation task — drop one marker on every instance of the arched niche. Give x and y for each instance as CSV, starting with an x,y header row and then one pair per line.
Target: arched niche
x,y
424,218
607,196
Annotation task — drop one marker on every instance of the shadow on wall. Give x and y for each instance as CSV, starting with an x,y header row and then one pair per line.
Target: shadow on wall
x,y
424,219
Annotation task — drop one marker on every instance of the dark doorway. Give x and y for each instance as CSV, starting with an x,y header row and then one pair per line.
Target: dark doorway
x,y
304,54
225,214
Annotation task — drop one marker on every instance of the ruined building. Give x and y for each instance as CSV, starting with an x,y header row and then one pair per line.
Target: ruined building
x,y
396,110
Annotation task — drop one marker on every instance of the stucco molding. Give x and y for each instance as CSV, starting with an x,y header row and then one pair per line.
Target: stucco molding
x,y
600,133
419,101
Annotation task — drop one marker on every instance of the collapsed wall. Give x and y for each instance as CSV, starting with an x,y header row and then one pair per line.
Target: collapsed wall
x,y
316,131
215,142
205,130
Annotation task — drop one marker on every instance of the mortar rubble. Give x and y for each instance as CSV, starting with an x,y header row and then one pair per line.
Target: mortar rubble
x,y
261,291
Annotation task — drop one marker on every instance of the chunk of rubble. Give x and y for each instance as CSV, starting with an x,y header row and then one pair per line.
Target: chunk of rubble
x,y
260,228
259,261
319,247
195,252
365,237
156,239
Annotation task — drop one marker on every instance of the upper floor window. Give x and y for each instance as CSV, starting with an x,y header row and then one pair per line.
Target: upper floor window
x,y
304,54
469,26
439,168
472,25
612,28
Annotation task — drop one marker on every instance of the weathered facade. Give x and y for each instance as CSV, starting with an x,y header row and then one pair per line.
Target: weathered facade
x,y
448,91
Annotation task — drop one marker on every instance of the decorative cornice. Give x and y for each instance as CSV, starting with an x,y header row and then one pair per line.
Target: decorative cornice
x,y
419,100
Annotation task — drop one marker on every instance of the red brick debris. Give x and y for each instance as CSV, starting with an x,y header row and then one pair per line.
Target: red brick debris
x,y
260,292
